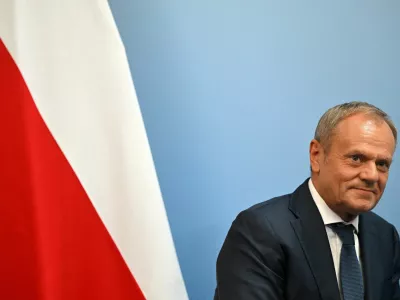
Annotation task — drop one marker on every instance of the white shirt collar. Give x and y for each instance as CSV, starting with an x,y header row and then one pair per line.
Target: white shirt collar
x,y
327,214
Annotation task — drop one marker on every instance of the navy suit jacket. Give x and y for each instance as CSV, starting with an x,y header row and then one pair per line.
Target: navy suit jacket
x,y
279,250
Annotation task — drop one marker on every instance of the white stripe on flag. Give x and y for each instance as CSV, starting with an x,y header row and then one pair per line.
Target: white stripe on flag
x,y
75,66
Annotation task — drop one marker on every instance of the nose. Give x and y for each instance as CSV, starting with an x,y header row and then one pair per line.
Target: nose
x,y
369,173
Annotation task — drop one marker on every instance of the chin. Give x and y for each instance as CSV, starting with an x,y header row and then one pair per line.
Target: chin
x,y
363,205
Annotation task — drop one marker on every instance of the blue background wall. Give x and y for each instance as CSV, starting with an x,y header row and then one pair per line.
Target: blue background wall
x,y
231,92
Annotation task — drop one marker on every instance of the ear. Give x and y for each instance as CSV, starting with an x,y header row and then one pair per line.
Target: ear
x,y
316,155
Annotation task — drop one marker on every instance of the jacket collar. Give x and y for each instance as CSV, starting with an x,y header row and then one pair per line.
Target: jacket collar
x,y
311,232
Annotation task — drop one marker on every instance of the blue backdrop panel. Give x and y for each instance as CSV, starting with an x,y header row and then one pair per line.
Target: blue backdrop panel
x,y
231,92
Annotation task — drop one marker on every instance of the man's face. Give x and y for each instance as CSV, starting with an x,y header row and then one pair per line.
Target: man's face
x,y
352,174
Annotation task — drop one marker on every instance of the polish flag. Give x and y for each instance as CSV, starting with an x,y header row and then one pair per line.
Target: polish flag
x,y
81,212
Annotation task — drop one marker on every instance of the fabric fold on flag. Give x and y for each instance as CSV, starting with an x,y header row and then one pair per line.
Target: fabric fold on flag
x,y
82,212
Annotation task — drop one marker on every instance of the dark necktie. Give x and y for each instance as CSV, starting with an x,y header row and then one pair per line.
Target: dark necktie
x,y
351,279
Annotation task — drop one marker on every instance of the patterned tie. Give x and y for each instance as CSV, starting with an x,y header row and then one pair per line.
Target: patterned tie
x,y
351,279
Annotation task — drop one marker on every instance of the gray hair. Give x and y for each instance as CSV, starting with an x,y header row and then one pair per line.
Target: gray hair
x,y
333,116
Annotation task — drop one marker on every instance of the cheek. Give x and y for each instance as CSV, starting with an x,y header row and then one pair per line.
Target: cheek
x,y
345,192
382,183
343,172
344,179
349,174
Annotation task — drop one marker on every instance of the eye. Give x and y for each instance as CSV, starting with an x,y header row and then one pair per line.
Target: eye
x,y
355,158
382,164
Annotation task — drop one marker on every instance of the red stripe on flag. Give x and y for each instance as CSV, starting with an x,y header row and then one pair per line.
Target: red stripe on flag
x,y
53,245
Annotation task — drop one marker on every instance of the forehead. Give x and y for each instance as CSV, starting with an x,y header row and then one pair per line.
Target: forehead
x,y
366,133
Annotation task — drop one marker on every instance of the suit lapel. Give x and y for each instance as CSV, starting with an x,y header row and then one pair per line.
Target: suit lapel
x,y
369,253
311,232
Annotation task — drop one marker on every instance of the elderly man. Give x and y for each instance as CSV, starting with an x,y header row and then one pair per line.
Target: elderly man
x,y
322,241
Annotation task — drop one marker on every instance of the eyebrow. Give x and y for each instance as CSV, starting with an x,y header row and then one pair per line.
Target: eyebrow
x,y
386,159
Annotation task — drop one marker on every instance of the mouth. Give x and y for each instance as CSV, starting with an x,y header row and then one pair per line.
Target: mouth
x,y
366,190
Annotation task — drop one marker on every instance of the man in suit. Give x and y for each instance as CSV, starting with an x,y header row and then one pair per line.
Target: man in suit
x,y
322,241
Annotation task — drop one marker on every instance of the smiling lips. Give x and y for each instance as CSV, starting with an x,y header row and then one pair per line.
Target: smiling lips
x,y
366,190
